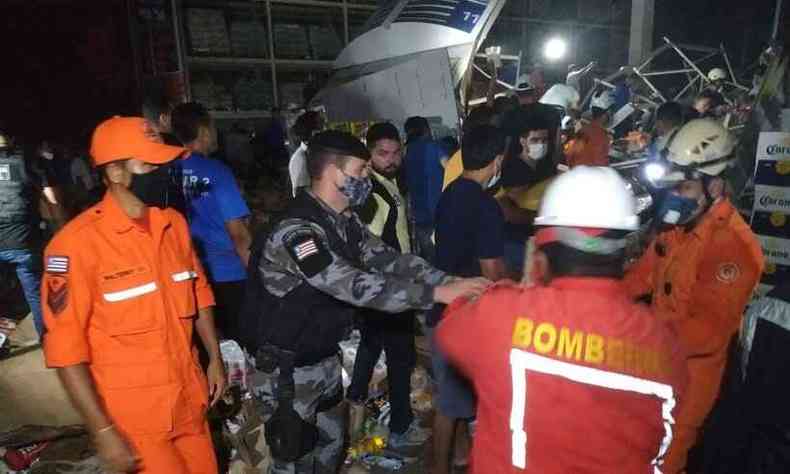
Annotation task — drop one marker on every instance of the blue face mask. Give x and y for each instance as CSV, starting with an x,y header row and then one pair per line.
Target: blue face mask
x,y
356,190
677,210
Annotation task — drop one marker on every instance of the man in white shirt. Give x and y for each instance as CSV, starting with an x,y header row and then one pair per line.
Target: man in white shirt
x,y
576,74
305,127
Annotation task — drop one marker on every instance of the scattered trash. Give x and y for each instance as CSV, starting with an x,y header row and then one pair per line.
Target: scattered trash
x,y
22,458
31,434
421,390
91,465
235,360
384,462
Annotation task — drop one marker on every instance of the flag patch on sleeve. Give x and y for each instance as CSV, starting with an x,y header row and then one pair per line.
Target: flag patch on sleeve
x,y
305,249
57,264
308,252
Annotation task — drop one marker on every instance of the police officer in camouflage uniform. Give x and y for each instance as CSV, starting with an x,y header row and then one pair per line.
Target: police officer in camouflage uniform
x,y
23,183
317,266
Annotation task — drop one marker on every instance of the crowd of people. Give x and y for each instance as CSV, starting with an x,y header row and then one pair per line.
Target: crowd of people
x,y
554,357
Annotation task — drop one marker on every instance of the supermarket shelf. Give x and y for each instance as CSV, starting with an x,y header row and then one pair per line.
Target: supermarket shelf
x,y
320,3
228,61
240,115
283,74
304,63
219,4
232,61
248,4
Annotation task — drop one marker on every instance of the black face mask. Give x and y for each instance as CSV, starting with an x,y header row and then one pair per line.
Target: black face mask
x,y
152,188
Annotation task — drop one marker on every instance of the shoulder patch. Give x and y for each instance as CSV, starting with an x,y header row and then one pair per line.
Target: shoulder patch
x,y
57,264
308,252
57,293
728,272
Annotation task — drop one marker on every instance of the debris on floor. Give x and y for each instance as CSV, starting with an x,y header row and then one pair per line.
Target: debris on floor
x,y
35,449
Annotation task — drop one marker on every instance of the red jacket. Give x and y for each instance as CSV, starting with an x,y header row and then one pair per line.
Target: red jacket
x,y
573,377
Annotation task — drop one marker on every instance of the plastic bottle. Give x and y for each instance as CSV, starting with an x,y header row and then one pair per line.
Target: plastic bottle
x,y
235,363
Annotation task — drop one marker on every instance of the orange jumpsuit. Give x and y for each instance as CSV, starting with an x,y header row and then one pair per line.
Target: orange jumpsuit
x,y
590,147
700,282
121,296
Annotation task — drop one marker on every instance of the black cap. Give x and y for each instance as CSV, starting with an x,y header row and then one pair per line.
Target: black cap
x,y
341,143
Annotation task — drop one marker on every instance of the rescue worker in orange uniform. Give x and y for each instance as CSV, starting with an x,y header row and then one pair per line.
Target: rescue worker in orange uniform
x,y
123,292
591,145
701,269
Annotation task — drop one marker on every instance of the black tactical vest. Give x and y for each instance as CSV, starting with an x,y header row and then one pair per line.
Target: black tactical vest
x,y
306,321
18,223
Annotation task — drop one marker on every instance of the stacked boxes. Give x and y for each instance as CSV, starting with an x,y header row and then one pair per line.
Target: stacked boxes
x,y
248,39
325,42
253,94
214,95
208,34
771,216
290,41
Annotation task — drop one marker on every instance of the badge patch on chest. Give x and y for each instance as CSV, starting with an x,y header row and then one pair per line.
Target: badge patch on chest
x,y
5,172
728,272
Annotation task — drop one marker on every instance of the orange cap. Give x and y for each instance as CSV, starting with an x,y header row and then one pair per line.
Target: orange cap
x,y
121,138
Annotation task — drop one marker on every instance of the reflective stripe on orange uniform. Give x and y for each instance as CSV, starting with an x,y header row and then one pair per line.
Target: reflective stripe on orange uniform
x,y
589,148
700,283
123,300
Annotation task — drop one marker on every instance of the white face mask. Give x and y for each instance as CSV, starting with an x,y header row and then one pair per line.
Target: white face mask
x,y
47,155
494,180
537,151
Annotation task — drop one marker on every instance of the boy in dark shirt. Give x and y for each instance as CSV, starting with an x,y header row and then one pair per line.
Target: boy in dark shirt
x,y
469,242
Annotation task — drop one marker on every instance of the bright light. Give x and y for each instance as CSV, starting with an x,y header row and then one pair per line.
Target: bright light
x,y
555,49
655,171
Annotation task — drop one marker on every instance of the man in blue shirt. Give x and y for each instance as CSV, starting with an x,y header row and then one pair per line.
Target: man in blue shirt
x,y
216,211
470,242
424,169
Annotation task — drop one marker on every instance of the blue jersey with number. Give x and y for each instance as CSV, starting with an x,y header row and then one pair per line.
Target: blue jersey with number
x,y
213,198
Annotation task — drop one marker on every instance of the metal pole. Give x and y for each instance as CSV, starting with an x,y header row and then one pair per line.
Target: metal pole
x,y
777,16
650,85
689,85
272,57
345,24
664,73
653,56
686,58
177,32
729,66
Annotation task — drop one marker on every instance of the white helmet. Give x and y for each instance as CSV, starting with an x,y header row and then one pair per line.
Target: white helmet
x,y
588,196
702,146
561,95
602,100
717,74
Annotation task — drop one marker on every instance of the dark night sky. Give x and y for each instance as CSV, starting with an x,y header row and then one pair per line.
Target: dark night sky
x,y
68,63
743,25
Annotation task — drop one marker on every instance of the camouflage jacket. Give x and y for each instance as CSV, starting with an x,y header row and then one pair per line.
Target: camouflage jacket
x,y
298,252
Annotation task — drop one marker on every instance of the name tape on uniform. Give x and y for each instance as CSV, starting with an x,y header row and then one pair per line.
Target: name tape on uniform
x,y
57,264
